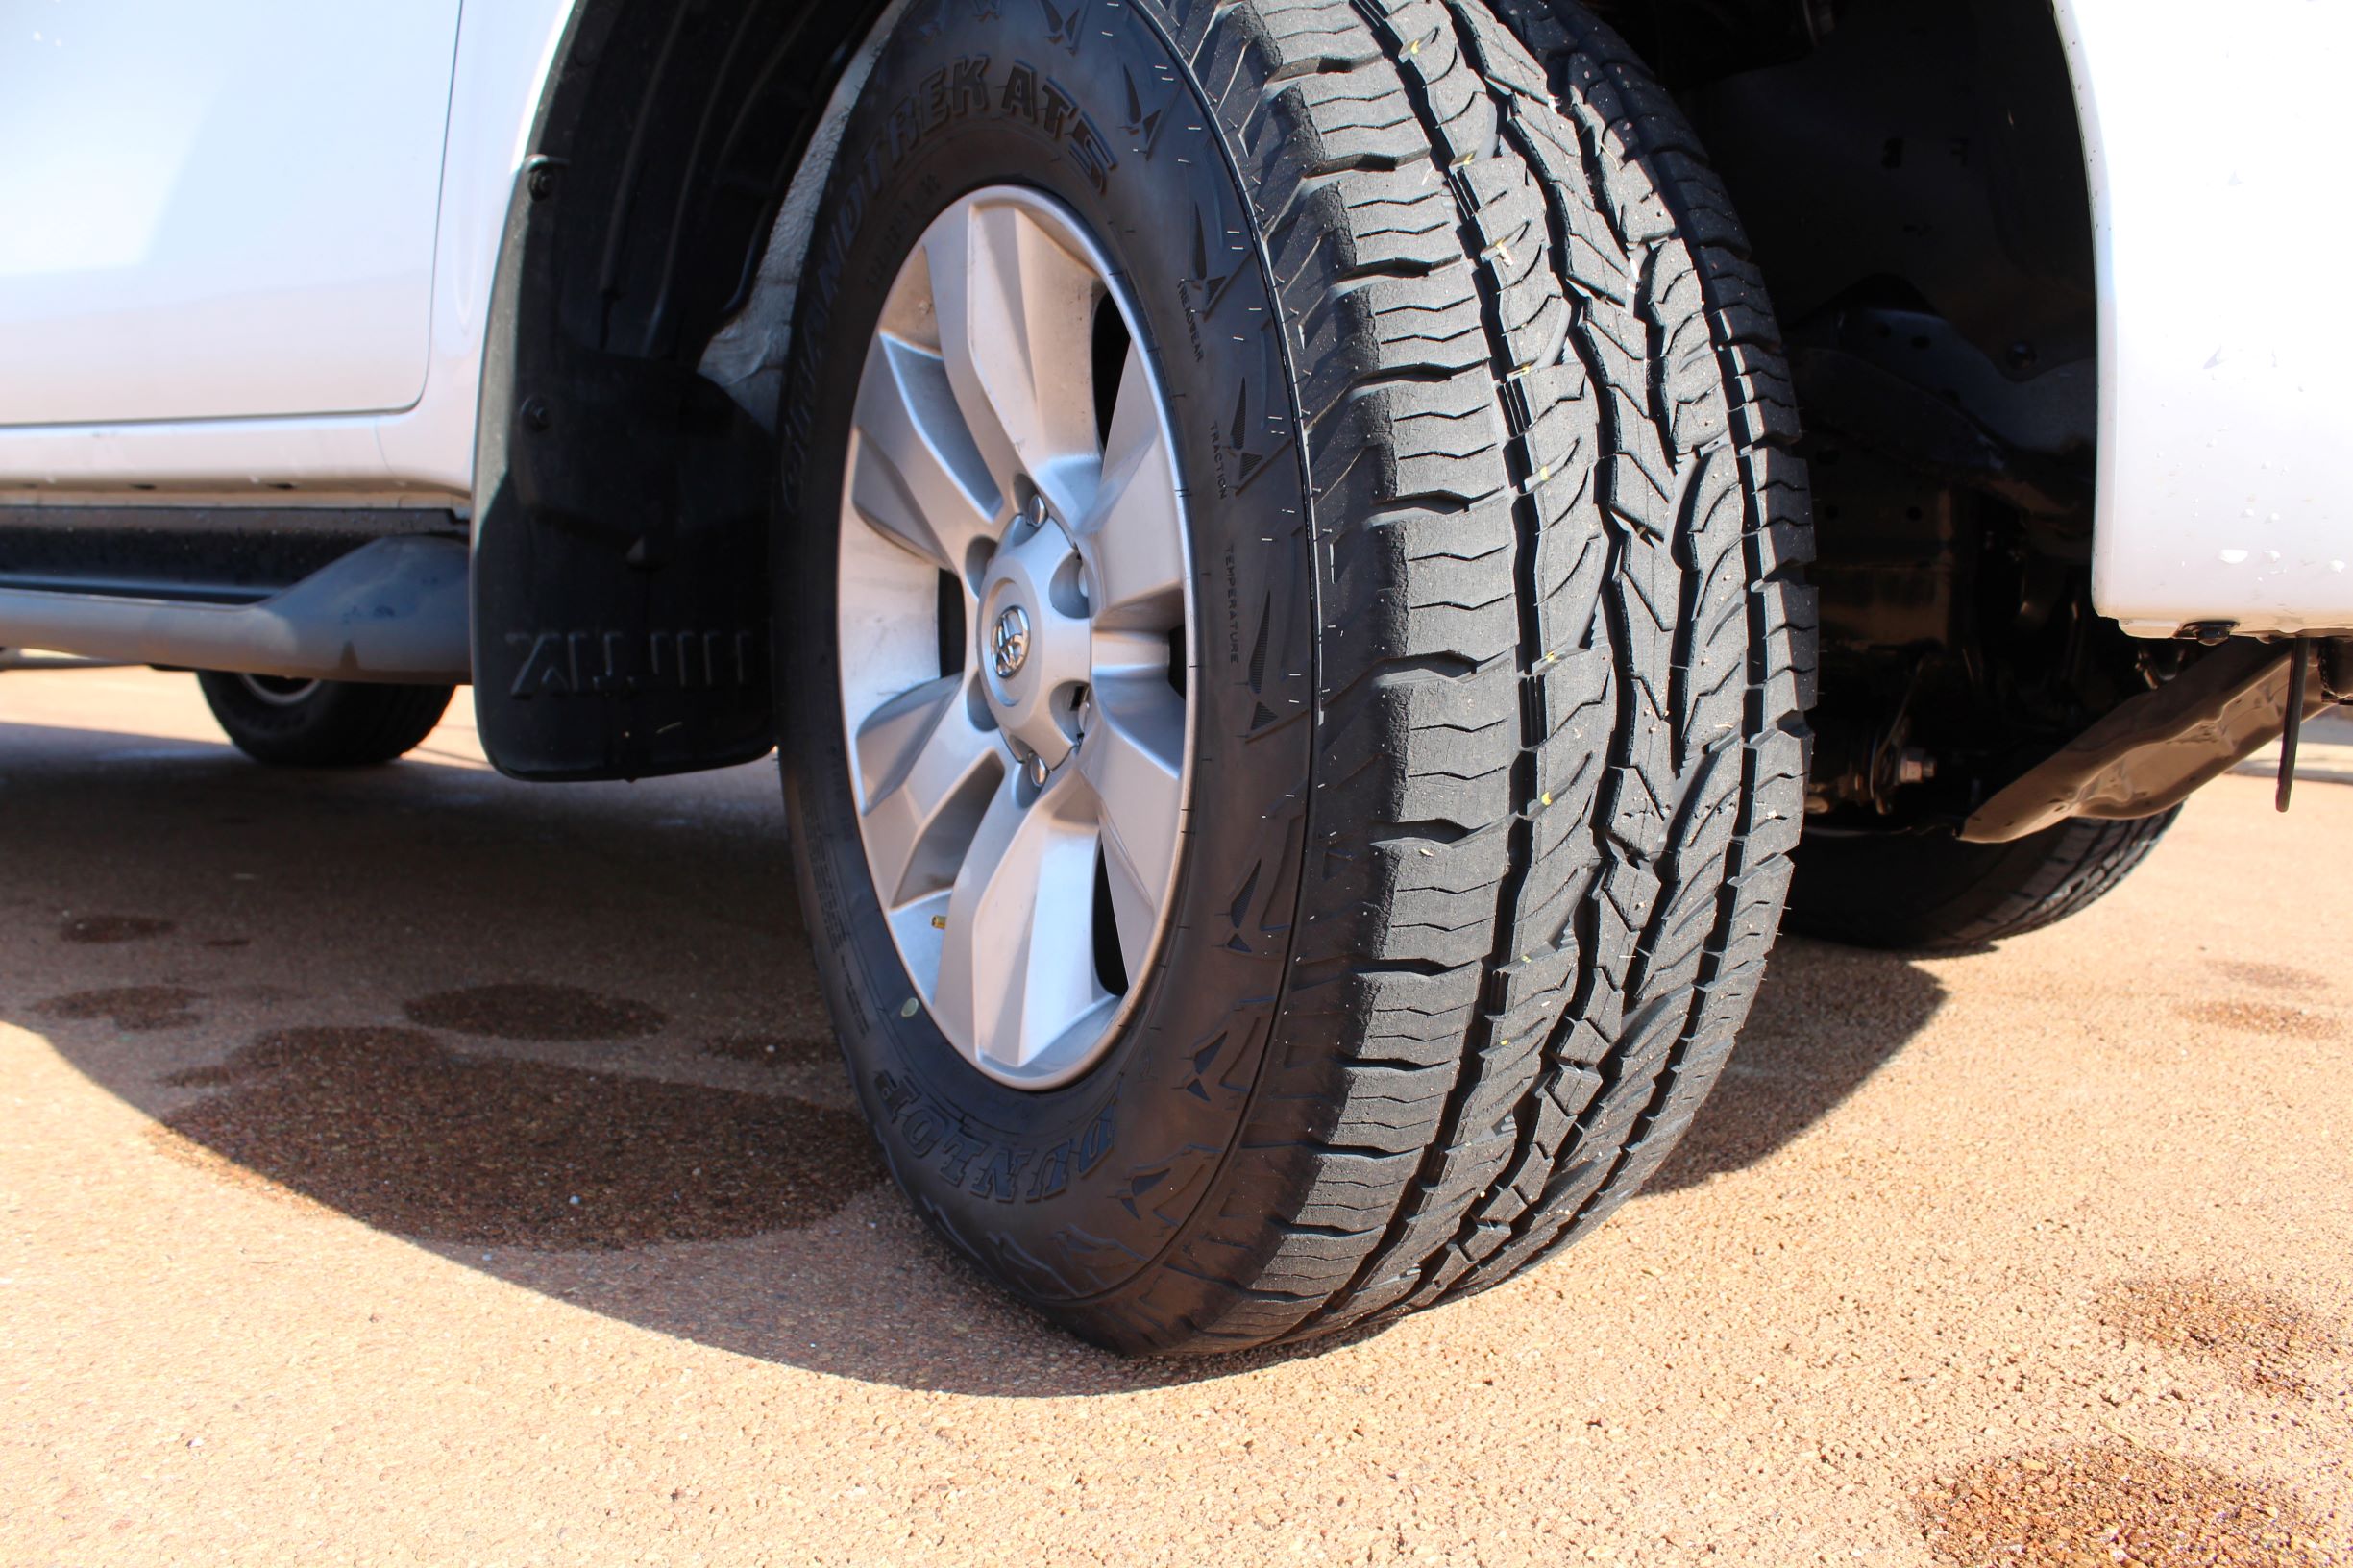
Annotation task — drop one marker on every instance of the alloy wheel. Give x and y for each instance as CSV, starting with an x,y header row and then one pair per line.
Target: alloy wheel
x,y
1015,597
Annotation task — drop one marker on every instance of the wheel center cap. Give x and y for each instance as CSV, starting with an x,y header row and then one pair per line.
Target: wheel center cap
x,y
1009,642
1036,646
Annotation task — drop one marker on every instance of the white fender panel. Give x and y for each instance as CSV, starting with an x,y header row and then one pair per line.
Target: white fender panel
x,y
2220,155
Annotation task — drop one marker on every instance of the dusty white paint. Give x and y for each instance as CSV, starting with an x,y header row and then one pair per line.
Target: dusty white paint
x,y
422,360
201,222
2217,141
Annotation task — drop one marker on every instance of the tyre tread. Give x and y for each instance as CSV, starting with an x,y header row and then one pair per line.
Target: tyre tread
x,y
1562,740
342,724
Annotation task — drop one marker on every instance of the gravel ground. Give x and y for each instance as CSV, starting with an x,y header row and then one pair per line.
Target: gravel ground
x,y
413,1167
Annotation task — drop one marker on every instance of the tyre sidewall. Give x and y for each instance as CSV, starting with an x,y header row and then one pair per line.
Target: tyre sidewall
x,y
1069,1195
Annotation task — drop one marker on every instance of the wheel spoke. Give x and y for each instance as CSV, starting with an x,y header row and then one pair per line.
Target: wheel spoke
x,y
926,771
1134,541
1133,759
918,478
1016,318
1015,973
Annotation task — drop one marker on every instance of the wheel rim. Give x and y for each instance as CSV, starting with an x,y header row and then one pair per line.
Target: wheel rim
x,y
1015,597
279,691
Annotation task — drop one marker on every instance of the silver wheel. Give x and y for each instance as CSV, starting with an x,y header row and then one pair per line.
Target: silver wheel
x,y
1015,594
279,691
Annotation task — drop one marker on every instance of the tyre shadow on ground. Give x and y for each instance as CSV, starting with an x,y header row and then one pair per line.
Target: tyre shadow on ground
x,y
1826,1017
570,1037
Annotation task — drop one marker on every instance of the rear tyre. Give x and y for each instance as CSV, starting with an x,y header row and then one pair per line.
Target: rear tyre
x,y
321,723
1491,656
1931,893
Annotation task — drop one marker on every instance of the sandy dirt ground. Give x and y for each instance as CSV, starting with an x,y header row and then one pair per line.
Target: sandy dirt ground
x,y
414,1167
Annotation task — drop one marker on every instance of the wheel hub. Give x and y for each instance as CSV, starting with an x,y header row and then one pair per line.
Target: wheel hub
x,y
1039,655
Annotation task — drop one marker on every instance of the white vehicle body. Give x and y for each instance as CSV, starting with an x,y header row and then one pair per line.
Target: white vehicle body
x,y
2223,391
227,271
301,295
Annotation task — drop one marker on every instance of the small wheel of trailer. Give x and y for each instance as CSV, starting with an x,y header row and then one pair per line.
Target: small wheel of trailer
x,y
1294,732
322,724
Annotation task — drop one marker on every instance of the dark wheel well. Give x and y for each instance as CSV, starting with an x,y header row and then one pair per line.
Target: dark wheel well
x,y
621,616
1912,175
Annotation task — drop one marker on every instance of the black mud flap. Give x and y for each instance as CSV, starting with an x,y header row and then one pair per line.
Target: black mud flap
x,y
621,583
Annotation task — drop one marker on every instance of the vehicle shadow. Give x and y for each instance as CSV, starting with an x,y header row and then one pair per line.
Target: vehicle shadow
x,y
570,1037
1825,1018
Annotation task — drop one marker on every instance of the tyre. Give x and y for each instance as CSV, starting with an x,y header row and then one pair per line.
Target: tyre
x,y
1931,893
321,723
1295,723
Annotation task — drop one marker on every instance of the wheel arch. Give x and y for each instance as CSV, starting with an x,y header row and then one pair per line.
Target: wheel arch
x,y
624,471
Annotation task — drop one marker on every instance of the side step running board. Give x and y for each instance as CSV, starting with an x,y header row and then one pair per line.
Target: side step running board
x,y
392,611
